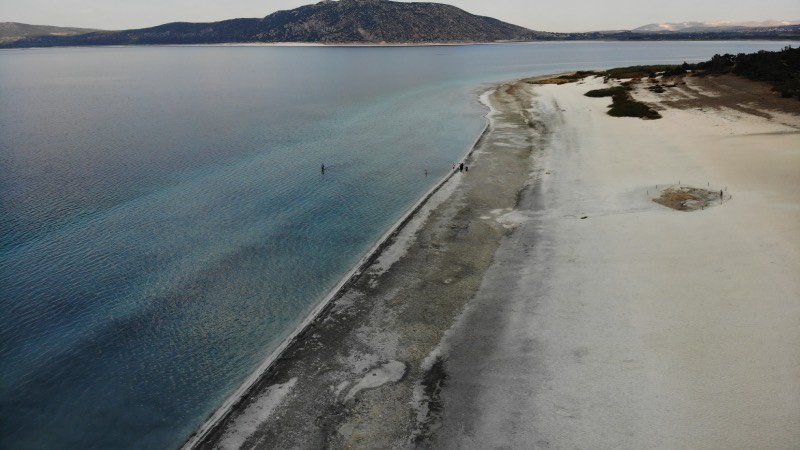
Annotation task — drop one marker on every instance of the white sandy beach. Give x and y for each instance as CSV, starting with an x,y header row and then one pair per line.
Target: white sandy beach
x,y
639,326
543,300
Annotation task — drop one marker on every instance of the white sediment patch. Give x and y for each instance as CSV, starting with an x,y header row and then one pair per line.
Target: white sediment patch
x,y
444,188
484,99
382,343
340,388
360,363
508,217
255,414
512,219
391,372
390,255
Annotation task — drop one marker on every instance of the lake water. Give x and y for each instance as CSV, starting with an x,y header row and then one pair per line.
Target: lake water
x,y
164,223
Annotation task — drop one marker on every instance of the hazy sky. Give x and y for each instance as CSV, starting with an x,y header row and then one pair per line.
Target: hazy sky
x,y
547,15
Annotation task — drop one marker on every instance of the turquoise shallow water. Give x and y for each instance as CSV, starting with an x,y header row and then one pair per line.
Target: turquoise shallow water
x,y
164,222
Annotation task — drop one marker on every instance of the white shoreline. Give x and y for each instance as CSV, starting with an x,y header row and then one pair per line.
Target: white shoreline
x,y
393,45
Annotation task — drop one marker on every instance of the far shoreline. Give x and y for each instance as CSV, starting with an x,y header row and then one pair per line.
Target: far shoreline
x,y
784,42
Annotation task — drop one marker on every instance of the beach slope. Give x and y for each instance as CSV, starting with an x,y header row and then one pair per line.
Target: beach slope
x,y
610,321
365,372
543,299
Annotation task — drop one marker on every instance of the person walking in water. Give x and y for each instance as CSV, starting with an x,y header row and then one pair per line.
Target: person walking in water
x,y
322,169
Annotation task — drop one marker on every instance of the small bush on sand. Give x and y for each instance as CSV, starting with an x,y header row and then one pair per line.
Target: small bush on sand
x,y
628,107
637,71
622,103
607,92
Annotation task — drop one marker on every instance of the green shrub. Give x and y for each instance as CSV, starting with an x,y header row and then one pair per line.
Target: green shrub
x,y
628,107
622,104
779,68
638,71
579,75
607,92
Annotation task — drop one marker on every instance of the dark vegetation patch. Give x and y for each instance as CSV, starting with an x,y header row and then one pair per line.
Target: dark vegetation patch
x,y
781,69
659,88
608,92
566,78
432,383
579,75
636,71
623,105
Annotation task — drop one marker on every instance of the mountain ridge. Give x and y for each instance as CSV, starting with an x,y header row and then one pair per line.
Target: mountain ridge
x,y
10,31
383,22
345,21
712,26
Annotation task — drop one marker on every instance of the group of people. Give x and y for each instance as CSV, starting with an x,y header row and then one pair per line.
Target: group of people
x,y
461,168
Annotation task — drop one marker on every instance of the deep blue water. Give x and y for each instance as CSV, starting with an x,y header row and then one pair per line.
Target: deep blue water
x,y
164,223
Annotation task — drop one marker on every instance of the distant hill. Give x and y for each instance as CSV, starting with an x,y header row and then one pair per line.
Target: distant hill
x,y
377,22
659,27
13,31
694,32
686,27
345,21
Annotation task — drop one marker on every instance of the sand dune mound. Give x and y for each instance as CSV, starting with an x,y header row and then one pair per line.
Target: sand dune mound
x,y
688,198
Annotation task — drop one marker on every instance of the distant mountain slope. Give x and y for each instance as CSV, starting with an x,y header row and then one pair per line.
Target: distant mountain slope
x,y
12,31
782,32
384,21
345,21
689,27
656,27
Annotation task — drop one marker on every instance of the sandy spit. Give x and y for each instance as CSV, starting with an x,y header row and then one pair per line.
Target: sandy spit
x,y
609,321
363,372
543,300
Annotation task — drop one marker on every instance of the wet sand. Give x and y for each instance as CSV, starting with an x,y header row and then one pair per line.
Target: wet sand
x,y
365,373
542,299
